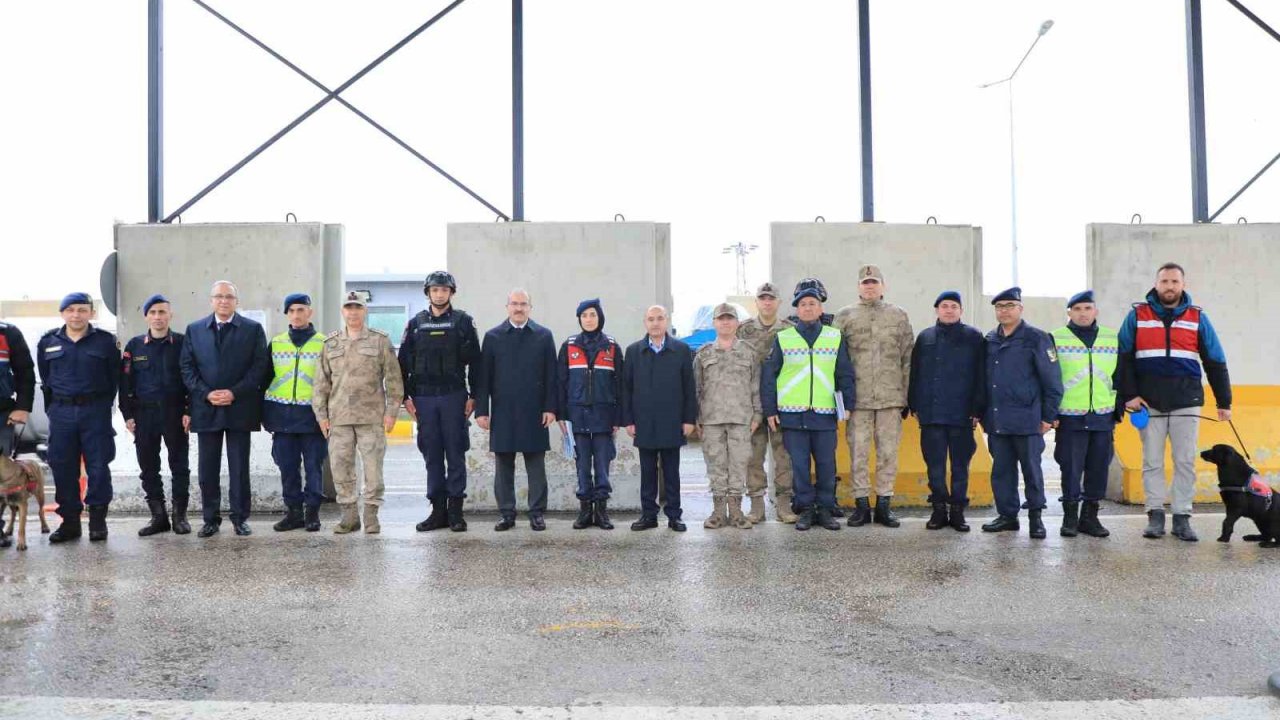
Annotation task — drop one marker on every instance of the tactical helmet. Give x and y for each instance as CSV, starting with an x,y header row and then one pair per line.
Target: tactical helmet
x,y
439,278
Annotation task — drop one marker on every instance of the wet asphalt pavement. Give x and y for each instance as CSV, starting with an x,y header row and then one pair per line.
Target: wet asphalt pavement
x,y
729,617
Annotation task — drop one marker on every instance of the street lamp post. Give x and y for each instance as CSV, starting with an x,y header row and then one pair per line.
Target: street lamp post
x,y
1013,184
741,250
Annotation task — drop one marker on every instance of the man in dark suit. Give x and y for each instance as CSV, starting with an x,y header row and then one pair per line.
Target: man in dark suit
x,y
659,409
516,403
225,364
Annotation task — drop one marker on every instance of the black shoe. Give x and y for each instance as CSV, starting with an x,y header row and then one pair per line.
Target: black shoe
x,y
822,518
311,518
837,511
1181,529
645,523
1089,524
504,524
68,530
1002,523
453,509
1155,524
437,520
1070,518
159,519
292,519
1037,525
861,514
884,512
957,519
677,524
536,523
601,516
585,513
5,540
209,530
242,528
179,519
938,519
97,523
804,518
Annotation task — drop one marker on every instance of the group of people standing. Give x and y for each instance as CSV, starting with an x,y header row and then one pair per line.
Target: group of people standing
x,y
767,385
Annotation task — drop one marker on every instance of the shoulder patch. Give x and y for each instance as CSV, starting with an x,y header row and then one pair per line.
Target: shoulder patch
x,y
333,335
1053,354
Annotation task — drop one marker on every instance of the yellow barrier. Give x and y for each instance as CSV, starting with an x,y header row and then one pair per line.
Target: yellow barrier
x,y
912,486
1256,414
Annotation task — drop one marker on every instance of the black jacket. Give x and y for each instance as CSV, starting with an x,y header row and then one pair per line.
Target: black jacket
x,y
17,372
240,362
517,384
658,394
151,373
946,375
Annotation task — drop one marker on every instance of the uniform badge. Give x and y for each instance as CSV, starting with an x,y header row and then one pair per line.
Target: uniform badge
x,y
1053,355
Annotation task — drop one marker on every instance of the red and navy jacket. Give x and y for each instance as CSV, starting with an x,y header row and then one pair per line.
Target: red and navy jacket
x,y
17,372
1163,352
590,384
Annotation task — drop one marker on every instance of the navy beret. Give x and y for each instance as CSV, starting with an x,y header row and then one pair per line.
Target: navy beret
x,y
951,295
296,299
75,298
1013,293
157,298
1080,297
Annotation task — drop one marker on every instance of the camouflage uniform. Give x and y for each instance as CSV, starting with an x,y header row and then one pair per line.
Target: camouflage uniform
x,y
728,383
879,337
760,338
359,384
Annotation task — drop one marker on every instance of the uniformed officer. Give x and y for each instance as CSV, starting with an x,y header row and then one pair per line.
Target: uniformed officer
x,y
759,333
79,374
357,397
155,405
879,338
439,358
727,377
1023,390
1085,438
17,394
808,371
296,440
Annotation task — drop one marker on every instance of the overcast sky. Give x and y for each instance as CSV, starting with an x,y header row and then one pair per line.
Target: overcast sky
x,y
717,116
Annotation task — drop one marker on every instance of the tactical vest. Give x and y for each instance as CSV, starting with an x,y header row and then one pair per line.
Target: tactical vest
x,y
1086,373
295,369
437,344
807,379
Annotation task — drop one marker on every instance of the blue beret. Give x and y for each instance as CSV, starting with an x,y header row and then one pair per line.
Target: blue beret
x,y
1081,297
812,292
157,298
951,295
1013,293
296,299
591,303
75,298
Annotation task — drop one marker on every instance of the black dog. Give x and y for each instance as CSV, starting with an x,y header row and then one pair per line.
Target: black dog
x,y
1245,495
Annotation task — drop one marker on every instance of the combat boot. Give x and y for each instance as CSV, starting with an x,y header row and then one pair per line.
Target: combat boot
x,y
1002,523
1155,524
861,514
804,518
823,518
957,519
782,505
884,512
1089,524
311,518
68,530
736,518
292,519
938,519
97,523
1070,519
600,516
756,514
1036,524
437,520
585,515
350,521
179,520
454,510
1181,528
159,519
371,526
717,519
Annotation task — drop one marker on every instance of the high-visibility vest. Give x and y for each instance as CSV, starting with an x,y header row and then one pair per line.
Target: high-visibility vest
x,y
1087,372
807,379
295,369
1167,350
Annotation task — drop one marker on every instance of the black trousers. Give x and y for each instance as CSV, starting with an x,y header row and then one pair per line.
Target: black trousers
x,y
504,482
210,444
669,459
152,426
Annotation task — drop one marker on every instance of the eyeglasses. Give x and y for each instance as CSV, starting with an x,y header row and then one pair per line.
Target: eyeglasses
x,y
518,304
1007,306
223,297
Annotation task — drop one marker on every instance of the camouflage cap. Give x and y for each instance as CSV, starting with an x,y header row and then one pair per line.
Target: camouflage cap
x,y
870,271
725,309
354,298
767,289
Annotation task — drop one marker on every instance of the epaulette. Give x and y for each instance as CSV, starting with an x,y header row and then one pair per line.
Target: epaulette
x,y
383,333
50,331
332,335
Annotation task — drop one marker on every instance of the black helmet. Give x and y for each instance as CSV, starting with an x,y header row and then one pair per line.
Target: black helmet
x,y
811,283
440,278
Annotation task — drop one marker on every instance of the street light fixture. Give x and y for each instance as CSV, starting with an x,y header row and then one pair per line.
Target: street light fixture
x,y
1013,185
741,250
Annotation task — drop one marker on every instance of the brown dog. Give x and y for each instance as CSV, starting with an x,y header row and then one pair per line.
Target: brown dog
x,y
20,482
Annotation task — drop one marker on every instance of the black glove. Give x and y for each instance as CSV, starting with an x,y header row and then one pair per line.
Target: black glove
x,y
906,412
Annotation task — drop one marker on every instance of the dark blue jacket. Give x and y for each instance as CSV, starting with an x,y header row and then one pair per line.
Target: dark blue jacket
x,y
17,372
1168,392
85,372
151,374
589,378
239,362
946,375
1023,381
517,385
658,393
808,420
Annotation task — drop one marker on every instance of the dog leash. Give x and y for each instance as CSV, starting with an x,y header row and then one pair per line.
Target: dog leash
x,y
1214,419
18,429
